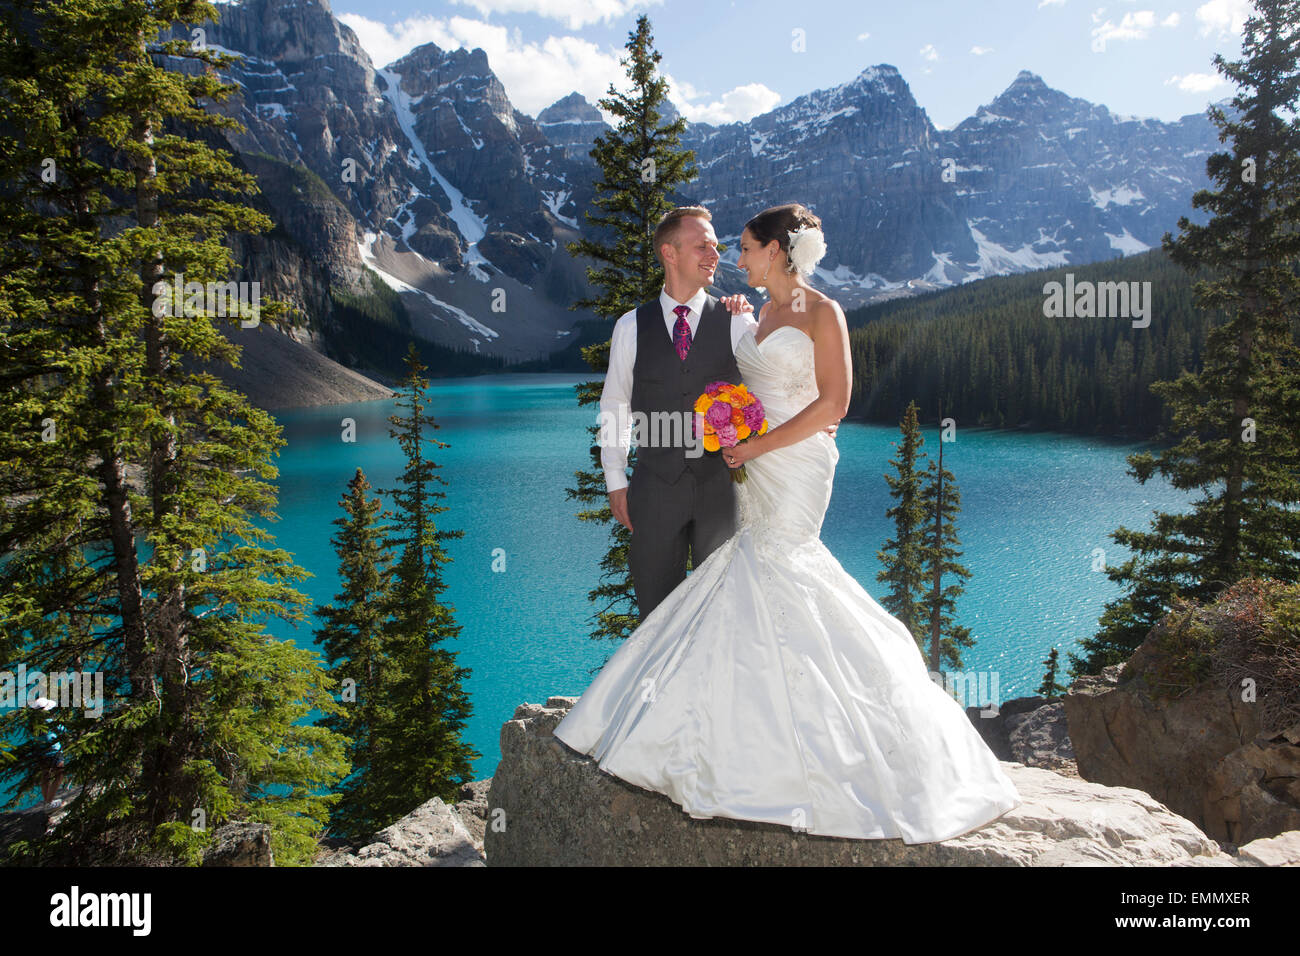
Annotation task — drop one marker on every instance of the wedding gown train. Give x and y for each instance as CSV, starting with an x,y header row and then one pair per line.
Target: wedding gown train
x,y
770,686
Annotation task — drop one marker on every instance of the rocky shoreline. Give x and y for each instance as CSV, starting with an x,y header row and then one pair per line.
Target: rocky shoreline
x,y
277,371
1110,775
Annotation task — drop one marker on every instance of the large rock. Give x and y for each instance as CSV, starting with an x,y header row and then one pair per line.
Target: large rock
x,y
1283,850
1203,753
240,844
1254,792
1028,730
431,835
472,808
559,808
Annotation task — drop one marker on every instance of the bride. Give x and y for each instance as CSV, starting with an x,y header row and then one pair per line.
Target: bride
x,y
769,686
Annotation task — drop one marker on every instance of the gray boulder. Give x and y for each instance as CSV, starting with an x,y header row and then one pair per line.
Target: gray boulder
x,y
240,844
431,835
1205,753
551,806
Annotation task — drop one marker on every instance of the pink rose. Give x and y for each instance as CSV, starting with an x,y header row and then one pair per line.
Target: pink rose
x,y
719,414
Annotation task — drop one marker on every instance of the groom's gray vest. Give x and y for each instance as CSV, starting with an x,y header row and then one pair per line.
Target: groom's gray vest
x,y
662,382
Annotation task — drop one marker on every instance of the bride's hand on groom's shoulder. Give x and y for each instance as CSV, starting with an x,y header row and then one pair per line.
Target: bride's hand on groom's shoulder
x,y
736,303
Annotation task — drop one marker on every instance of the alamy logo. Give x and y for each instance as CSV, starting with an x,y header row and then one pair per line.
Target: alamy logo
x,y
178,297
654,430
102,909
971,689
1098,300
66,689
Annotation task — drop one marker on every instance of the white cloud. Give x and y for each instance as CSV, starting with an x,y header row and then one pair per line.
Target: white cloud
x,y
864,36
929,52
574,14
1196,82
1133,26
981,50
1223,17
535,75
737,105
1050,3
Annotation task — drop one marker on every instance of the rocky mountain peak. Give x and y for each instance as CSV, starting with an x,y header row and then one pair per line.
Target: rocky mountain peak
x,y
573,108
461,78
572,124
883,79
1030,100
425,172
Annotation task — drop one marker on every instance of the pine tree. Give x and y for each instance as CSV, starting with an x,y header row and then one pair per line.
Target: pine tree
x,y
352,637
641,164
1050,687
163,587
429,706
940,502
1235,421
901,556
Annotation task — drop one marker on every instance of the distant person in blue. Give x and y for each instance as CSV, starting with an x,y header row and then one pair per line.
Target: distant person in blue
x,y
49,751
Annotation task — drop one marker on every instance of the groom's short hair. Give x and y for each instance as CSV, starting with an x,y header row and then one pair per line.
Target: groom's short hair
x,y
666,231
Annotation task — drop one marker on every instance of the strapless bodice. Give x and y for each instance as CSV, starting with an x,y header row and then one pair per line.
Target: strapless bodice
x,y
780,370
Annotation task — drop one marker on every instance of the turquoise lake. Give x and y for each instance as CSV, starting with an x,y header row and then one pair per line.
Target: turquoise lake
x,y
1034,508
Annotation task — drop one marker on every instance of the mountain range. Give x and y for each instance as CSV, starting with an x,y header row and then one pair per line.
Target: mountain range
x,y
425,173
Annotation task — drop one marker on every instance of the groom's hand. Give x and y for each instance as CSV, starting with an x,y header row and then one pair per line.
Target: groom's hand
x,y
736,303
618,505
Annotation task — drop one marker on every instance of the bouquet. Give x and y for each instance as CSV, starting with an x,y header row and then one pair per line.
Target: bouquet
x,y
726,415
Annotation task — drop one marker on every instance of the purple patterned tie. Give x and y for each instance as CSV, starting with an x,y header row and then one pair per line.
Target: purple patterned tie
x,y
682,332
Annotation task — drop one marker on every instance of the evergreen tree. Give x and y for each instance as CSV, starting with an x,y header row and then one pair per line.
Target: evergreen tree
x,y
429,707
641,164
1234,422
901,555
940,502
352,637
162,586
1050,687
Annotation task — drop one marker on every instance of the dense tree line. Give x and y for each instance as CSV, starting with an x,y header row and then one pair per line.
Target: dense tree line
x,y
987,351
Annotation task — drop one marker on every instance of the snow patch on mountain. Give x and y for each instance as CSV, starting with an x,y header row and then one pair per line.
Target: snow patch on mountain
x,y
555,200
471,225
366,250
1118,195
1127,243
998,260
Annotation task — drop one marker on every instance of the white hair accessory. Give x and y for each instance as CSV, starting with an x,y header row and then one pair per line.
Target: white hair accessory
x,y
807,246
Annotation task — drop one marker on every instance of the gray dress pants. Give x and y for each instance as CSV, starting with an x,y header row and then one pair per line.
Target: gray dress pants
x,y
667,518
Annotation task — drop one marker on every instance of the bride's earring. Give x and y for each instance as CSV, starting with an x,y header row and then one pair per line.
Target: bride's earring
x,y
768,269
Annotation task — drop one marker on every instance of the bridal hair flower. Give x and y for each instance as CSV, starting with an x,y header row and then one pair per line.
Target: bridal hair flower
x,y
807,246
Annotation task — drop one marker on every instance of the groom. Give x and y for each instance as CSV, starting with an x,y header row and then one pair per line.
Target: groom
x,y
662,356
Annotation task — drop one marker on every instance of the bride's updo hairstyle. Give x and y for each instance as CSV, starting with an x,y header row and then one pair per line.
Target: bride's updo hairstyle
x,y
778,222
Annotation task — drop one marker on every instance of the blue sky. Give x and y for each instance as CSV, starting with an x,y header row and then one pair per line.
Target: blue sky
x,y
730,60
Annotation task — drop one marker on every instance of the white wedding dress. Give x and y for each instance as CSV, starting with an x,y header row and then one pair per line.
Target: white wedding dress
x,y
770,686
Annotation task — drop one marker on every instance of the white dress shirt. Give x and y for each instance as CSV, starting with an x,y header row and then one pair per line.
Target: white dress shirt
x,y
615,398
